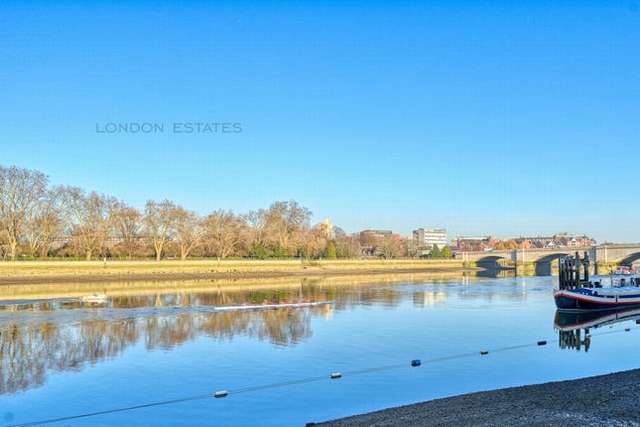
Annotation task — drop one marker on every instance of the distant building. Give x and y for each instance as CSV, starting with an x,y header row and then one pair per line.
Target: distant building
x,y
427,238
557,241
473,244
561,240
538,242
570,240
327,229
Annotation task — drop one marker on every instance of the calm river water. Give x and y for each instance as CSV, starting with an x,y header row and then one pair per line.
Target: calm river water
x,y
65,357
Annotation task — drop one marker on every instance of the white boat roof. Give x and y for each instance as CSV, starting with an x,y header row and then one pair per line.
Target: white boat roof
x,y
622,290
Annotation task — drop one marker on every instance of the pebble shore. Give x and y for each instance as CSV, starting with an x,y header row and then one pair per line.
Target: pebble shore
x,y
606,400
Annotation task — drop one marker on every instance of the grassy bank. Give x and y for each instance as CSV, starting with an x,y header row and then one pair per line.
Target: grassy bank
x,y
77,271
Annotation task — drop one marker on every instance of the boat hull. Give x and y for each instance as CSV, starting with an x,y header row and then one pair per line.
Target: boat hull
x,y
577,301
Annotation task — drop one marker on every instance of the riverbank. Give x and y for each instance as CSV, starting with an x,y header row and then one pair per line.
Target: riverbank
x,y
41,272
46,291
606,400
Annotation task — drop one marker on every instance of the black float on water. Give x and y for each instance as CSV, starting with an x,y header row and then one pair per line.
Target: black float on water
x,y
416,362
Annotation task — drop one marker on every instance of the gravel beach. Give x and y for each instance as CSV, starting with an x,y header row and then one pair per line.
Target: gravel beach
x,y
606,400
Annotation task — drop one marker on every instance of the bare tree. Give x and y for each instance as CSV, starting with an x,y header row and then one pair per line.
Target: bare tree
x,y
188,231
224,233
348,247
312,242
159,220
284,222
36,217
21,190
127,222
46,225
393,246
256,223
4,244
90,217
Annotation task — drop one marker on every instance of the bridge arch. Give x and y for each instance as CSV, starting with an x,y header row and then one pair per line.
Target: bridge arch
x,y
492,262
629,260
544,265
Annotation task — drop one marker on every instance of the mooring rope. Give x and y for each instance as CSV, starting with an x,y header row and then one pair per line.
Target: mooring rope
x,y
112,411
332,376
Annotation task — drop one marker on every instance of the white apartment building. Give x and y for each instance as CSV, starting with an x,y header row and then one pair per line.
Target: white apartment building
x,y
430,237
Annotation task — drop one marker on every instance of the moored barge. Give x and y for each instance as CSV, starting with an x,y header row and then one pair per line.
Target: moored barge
x,y
579,292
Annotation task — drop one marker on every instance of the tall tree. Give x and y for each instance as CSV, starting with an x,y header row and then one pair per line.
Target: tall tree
x,y
312,243
21,191
159,221
127,222
435,252
446,252
47,223
91,219
348,246
392,246
188,231
224,233
331,250
256,223
283,224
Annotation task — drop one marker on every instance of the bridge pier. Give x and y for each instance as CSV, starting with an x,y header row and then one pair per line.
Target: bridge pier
x,y
525,269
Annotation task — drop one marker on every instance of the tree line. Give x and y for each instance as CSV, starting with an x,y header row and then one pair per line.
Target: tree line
x,y
38,220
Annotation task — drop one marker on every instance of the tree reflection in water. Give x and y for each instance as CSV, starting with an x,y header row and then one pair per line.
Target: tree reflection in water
x,y
67,334
29,351
38,342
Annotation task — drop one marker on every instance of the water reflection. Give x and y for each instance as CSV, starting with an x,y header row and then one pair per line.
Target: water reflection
x,y
29,351
66,334
574,329
492,271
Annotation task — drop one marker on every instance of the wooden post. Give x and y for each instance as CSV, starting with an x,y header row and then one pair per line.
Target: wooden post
x,y
587,261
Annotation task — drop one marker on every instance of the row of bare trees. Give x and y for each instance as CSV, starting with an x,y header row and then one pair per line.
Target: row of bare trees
x,y
38,220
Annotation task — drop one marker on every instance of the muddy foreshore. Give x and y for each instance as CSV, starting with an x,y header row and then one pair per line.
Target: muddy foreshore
x,y
606,400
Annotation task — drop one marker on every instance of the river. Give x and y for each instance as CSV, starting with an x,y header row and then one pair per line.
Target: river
x,y
63,356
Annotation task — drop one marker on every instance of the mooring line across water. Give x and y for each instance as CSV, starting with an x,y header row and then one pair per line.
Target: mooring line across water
x,y
112,411
332,377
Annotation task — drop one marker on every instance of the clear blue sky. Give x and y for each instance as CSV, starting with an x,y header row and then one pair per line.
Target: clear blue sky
x,y
483,117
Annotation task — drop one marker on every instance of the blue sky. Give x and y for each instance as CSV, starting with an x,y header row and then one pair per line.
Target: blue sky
x,y
483,117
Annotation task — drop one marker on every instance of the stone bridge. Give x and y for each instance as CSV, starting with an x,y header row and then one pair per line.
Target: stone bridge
x,y
603,257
